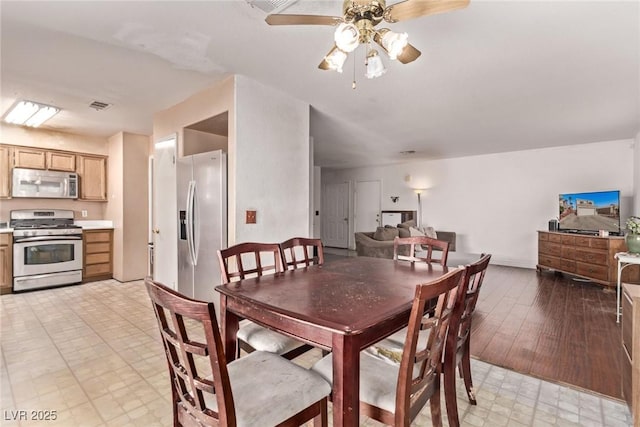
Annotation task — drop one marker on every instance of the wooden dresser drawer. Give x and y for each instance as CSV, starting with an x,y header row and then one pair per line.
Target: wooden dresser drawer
x,y
555,238
549,248
599,272
549,261
568,240
568,252
542,236
583,241
568,265
599,243
591,256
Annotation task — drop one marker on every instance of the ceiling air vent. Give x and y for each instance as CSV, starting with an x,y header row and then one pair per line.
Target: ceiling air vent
x,y
99,106
270,6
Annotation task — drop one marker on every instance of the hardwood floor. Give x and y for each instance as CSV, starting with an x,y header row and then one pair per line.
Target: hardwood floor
x,y
549,326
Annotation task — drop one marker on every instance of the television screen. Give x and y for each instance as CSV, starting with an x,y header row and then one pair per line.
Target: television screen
x,y
590,212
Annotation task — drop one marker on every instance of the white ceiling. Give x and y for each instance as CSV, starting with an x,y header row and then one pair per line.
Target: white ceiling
x,y
497,76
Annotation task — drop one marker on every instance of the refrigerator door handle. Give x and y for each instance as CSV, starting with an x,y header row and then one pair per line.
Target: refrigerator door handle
x,y
189,221
195,216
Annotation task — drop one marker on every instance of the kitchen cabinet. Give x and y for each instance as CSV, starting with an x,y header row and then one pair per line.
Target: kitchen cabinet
x,y
32,158
5,171
6,262
59,161
98,255
92,171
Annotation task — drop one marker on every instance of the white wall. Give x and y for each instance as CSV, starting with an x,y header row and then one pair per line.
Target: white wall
x,y
636,177
271,163
496,203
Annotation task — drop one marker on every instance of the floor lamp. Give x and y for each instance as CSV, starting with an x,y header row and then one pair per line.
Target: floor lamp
x,y
419,221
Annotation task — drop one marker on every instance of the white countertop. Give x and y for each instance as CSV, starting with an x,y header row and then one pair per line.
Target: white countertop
x,y
93,224
6,230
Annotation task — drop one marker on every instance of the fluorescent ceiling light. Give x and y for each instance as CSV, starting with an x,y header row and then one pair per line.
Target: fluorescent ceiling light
x,y
30,113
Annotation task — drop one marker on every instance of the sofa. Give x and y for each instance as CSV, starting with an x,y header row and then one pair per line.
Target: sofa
x,y
366,245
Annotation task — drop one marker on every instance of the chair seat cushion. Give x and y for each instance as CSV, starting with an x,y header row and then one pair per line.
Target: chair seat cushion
x,y
263,339
267,389
378,380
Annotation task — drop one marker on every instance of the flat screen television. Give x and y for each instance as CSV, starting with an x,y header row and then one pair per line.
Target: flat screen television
x,y
589,213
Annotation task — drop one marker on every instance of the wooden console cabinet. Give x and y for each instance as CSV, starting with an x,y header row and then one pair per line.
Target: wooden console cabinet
x,y
589,257
98,255
631,348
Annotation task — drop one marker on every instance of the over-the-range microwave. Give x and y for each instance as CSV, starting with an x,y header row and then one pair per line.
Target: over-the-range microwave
x,y
44,184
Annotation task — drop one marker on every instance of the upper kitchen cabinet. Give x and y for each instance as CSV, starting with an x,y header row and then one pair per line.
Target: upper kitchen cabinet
x,y
32,158
92,171
5,171
59,161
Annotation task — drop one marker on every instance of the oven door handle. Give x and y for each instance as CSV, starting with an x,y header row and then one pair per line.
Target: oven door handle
x,y
45,238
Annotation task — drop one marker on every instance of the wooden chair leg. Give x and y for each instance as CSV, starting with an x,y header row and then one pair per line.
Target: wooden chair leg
x,y
465,365
450,391
322,419
436,411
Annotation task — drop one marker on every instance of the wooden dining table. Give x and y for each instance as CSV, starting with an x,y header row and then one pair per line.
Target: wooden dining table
x,y
343,306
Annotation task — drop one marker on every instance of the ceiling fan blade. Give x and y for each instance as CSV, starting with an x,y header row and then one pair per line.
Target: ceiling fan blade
x,y
414,8
324,65
409,54
283,19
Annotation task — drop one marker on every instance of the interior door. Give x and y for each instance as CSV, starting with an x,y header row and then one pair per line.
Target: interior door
x,y
165,229
367,205
335,216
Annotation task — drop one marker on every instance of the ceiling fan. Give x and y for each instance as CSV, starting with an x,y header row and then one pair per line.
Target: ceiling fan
x,y
357,26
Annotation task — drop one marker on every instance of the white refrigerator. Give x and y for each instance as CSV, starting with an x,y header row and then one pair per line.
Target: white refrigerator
x,y
202,223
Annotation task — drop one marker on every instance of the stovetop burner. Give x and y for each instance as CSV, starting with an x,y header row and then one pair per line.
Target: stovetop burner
x,y
44,226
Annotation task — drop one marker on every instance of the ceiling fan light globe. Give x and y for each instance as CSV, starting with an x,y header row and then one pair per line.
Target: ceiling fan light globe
x,y
394,43
375,66
347,37
335,59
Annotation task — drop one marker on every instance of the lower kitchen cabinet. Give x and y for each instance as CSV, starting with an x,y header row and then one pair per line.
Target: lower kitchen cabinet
x,y
98,255
6,263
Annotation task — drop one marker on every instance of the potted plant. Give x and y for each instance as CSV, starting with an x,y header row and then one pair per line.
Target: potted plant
x,y
633,235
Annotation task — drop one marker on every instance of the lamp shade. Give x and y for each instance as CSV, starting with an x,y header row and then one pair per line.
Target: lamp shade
x,y
375,67
347,37
335,59
394,43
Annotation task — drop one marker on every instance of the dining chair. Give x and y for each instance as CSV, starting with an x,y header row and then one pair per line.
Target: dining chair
x,y
456,353
262,389
246,260
394,394
299,252
420,249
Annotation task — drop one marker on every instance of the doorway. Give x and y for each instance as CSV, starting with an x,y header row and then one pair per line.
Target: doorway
x,y
367,206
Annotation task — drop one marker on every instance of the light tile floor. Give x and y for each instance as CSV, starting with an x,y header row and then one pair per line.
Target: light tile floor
x,y
90,355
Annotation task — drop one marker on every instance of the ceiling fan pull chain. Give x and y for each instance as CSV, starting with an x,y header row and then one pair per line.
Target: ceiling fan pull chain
x,y
353,85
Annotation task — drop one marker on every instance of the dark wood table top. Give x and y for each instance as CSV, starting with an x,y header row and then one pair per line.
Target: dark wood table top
x,y
346,296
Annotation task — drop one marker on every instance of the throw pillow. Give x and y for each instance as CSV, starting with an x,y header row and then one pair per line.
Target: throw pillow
x,y
383,233
415,232
430,232
404,232
425,231
407,224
